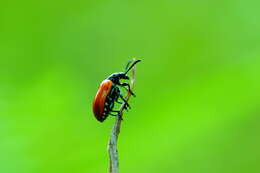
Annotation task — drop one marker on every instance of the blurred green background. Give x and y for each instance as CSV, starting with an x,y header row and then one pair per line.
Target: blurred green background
x,y
197,105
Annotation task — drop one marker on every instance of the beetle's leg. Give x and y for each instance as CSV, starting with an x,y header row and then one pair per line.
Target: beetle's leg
x,y
117,97
119,102
128,88
122,97
113,114
118,114
115,111
126,103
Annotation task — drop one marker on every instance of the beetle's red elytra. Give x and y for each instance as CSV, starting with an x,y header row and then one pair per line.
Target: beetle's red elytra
x,y
108,93
100,98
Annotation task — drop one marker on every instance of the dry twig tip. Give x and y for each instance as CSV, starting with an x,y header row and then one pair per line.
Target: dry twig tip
x,y
112,146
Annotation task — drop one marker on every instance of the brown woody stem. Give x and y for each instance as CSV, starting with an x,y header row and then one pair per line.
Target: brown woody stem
x,y
112,146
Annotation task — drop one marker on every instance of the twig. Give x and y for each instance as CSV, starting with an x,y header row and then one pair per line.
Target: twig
x,y
112,146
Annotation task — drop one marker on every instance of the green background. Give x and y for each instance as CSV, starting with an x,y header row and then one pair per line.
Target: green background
x,y
198,86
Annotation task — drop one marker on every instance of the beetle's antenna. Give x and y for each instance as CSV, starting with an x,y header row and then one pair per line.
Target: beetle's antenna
x,y
131,65
128,63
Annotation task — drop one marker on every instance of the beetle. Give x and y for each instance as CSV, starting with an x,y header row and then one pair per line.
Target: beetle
x,y
108,93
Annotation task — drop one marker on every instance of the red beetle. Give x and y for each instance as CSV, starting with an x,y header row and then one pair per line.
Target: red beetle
x,y
109,93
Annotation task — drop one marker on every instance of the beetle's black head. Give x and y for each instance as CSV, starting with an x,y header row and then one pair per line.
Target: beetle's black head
x,y
115,77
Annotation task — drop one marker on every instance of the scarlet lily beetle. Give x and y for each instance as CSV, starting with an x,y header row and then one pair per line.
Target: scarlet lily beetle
x,y
109,93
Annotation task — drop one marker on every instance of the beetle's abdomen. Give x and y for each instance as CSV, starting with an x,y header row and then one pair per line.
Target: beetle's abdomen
x,y
100,98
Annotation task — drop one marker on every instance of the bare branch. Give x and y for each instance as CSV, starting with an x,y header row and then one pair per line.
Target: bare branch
x,y
112,146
